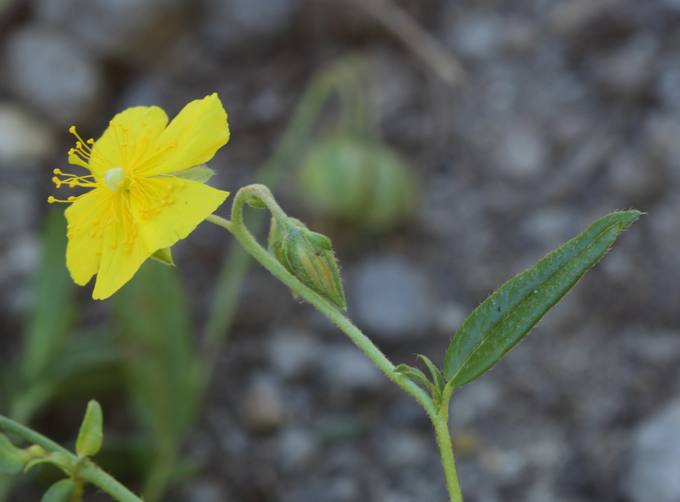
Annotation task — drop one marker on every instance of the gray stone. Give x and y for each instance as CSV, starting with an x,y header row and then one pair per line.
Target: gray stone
x,y
575,17
18,201
477,35
521,152
550,226
390,297
655,458
242,23
293,354
668,82
204,491
23,138
661,132
348,370
628,70
405,448
263,406
449,317
673,5
53,75
296,448
17,264
134,29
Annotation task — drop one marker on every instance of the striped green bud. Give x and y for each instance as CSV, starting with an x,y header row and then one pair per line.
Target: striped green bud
x,y
309,257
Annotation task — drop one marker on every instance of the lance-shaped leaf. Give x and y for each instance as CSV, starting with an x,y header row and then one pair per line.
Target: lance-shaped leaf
x,y
505,317
61,491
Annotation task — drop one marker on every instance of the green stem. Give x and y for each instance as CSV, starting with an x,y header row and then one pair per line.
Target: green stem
x,y
250,244
88,471
297,135
441,430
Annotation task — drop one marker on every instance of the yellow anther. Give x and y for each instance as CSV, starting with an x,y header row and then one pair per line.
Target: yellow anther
x,y
72,129
51,199
57,171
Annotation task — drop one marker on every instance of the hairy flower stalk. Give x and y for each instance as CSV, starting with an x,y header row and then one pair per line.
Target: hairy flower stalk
x,y
138,199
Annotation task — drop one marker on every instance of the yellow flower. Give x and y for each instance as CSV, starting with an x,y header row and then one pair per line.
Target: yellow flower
x,y
138,202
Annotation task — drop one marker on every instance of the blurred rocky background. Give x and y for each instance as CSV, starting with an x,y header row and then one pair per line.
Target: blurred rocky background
x,y
567,109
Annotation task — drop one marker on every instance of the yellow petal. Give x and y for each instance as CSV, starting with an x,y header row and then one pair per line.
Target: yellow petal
x,y
191,202
82,257
120,259
192,138
128,138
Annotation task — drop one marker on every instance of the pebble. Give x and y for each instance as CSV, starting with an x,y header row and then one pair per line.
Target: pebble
x,y
629,70
293,354
263,406
244,23
521,152
17,265
53,75
296,449
347,369
405,448
477,36
134,29
391,298
655,458
23,138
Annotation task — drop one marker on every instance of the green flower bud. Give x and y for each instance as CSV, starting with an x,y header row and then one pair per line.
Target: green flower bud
x,y
309,257
358,181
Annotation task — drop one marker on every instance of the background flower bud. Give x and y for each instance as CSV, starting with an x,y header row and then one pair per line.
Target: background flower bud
x,y
359,181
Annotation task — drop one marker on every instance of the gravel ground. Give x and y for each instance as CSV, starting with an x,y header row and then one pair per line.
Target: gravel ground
x,y
570,109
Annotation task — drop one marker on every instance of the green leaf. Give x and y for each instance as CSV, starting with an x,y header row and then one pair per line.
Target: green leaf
x,y
163,372
61,491
417,376
506,316
48,326
91,435
437,377
11,458
200,173
59,459
164,256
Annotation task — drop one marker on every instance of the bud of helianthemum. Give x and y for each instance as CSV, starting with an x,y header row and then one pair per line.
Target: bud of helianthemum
x,y
309,257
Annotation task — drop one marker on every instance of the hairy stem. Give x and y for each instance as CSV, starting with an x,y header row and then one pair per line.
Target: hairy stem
x,y
441,430
252,247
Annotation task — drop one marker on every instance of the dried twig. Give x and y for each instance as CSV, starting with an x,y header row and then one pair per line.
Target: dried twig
x,y
426,47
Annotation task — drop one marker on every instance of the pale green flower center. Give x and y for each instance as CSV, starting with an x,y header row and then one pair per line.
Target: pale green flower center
x,y
114,178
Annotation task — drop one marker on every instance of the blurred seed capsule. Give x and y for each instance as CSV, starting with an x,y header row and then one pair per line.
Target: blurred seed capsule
x,y
359,181
309,257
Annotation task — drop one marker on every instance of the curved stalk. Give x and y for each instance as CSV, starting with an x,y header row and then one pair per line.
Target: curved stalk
x,y
250,244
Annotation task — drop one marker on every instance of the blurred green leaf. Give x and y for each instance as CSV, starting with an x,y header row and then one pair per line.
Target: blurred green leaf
x,y
91,434
61,491
53,309
165,376
11,458
504,318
